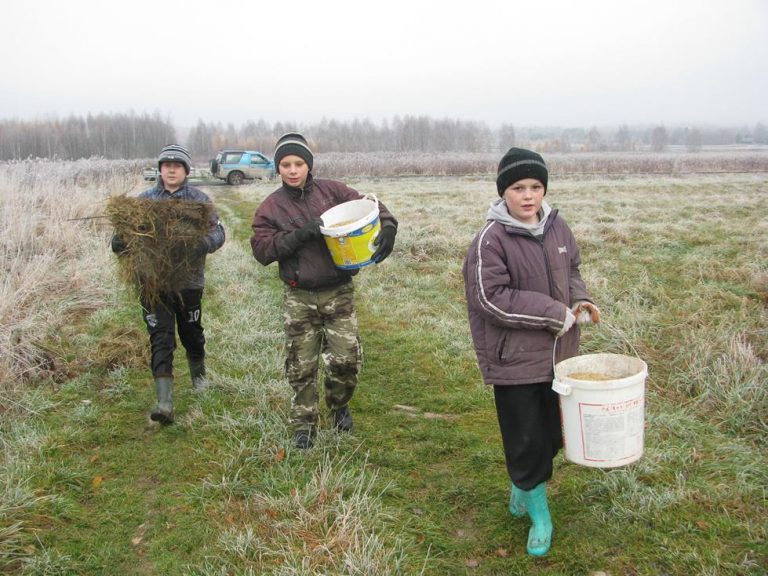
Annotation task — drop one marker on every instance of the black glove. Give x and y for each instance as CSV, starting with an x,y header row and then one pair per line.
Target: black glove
x,y
385,242
309,231
119,246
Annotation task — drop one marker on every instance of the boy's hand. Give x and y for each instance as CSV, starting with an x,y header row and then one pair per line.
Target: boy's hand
x,y
586,313
570,319
385,242
119,245
310,230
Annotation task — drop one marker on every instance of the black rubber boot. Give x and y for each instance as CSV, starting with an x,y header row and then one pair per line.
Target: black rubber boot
x,y
163,412
342,419
197,374
303,439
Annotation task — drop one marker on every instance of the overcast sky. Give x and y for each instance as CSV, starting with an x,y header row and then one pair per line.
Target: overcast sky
x,y
569,63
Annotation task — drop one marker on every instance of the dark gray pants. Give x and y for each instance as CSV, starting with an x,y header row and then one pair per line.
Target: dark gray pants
x,y
183,312
529,420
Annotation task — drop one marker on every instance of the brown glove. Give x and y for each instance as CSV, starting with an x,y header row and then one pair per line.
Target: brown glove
x,y
586,313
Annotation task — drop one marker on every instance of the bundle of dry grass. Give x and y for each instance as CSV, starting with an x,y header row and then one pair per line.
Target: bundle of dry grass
x,y
159,236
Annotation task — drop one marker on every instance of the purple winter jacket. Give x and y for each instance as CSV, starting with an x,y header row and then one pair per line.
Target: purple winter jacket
x,y
517,288
308,265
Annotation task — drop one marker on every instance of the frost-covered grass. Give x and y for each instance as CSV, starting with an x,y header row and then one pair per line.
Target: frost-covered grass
x,y
54,268
581,164
677,265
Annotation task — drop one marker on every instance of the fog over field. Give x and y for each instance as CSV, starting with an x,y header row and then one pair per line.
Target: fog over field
x,y
549,63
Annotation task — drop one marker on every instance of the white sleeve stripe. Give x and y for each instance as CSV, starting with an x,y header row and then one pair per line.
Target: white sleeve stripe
x,y
488,305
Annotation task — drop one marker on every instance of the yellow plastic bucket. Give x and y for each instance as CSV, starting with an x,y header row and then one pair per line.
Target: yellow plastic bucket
x,y
602,408
349,230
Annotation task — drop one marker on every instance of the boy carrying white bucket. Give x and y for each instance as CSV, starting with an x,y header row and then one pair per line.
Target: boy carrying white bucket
x,y
319,306
524,296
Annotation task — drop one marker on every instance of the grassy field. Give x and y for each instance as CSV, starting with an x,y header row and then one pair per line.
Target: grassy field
x,y
678,266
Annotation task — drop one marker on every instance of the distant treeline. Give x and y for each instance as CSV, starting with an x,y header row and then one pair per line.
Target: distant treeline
x,y
129,136
113,136
424,134
712,160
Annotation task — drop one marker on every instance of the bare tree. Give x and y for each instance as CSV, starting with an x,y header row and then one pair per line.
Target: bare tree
x,y
506,136
760,134
623,138
692,138
659,139
594,141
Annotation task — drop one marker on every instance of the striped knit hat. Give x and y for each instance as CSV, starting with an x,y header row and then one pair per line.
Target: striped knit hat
x,y
518,164
293,143
175,153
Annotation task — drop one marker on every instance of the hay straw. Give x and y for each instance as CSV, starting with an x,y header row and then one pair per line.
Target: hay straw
x,y
159,236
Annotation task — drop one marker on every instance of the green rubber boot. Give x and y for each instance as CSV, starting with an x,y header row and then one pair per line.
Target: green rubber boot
x,y
540,534
197,374
517,502
163,412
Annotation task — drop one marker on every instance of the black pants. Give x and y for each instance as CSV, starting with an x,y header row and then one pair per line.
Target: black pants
x,y
183,311
529,420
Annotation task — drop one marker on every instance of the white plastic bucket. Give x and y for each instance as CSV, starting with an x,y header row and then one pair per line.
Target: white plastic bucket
x,y
602,405
349,230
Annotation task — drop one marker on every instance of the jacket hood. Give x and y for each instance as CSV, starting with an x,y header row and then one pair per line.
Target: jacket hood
x,y
498,212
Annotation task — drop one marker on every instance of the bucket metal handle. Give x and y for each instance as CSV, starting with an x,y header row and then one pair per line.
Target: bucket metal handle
x,y
372,197
561,387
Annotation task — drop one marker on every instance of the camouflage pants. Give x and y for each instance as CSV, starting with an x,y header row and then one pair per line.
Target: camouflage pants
x,y
320,324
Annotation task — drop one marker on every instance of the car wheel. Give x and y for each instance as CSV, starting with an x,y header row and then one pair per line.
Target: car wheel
x,y
235,178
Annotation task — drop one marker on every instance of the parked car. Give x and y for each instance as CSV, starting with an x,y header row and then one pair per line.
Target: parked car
x,y
151,173
234,166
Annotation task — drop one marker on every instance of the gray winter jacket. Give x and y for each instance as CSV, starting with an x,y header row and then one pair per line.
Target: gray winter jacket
x,y
517,287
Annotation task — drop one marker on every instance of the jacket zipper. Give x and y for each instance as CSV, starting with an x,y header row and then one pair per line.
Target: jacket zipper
x,y
550,282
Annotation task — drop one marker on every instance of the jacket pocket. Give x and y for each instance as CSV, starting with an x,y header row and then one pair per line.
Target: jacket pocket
x,y
289,271
517,346
501,348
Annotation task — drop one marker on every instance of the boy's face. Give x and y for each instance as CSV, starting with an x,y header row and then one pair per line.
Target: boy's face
x,y
293,170
173,174
523,199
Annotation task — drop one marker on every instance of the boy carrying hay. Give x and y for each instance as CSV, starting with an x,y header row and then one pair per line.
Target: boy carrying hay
x,y
162,238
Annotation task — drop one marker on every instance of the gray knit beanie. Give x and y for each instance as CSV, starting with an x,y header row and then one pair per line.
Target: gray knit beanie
x,y
518,164
293,143
175,153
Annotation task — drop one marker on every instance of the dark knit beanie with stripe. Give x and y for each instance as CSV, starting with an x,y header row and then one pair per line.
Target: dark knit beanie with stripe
x,y
518,164
175,153
295,144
